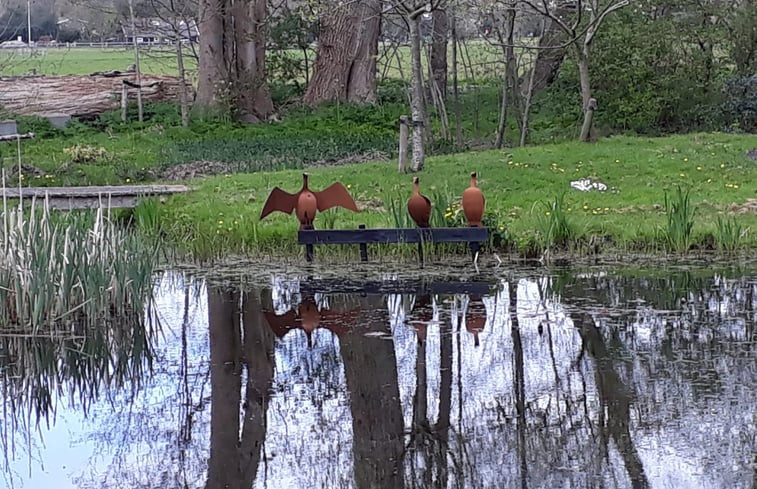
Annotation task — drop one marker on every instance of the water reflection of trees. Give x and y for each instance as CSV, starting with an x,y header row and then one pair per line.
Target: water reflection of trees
x,y
568,381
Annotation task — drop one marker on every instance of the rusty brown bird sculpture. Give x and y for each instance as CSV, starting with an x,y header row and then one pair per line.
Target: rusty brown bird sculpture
x,y
306,203
419,206
473,203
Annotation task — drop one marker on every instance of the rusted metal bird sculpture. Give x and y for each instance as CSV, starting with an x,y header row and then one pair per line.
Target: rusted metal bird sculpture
x,y
306,203
419,206
474,203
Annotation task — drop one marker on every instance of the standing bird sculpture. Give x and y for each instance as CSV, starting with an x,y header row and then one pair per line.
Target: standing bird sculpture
x,y
419,206
306,203
474,203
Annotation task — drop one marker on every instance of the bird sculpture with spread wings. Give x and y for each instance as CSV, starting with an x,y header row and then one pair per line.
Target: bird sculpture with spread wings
x,y
306,203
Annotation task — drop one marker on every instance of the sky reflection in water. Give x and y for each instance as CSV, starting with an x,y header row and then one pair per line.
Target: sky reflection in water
x,y
602,379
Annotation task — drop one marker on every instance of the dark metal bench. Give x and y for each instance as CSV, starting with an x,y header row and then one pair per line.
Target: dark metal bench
x,y
362,236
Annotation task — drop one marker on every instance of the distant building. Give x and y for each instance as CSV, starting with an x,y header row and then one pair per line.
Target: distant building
x,y
158,31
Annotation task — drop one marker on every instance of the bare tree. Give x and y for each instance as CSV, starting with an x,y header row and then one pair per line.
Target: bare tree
x,y
582,34
345,65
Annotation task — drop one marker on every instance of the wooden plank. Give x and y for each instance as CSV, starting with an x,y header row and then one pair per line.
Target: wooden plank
x,y
400,235
93,191
67,198
377,287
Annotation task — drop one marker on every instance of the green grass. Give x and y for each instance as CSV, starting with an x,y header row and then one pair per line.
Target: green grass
x,y
221,215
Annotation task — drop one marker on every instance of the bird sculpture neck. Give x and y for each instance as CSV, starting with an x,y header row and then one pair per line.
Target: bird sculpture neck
x,y
305,181
473,180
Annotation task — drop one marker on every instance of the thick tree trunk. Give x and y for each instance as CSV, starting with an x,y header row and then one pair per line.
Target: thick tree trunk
x,y
253,100
438,58
232,59
416,103
509,86
362,79
548,61
211,84
345,64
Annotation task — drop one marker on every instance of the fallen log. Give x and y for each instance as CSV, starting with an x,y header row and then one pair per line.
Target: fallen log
x,y
81,96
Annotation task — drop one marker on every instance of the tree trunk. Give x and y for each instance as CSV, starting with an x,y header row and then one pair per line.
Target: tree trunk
x,y
586,100
456,88
76,95
438,58
253,101
509,87
232,59
345,63
212,91
416,102
137,68
548,61
183,95
362,77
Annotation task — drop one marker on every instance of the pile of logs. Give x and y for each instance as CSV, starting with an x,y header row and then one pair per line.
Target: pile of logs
x,y
81,96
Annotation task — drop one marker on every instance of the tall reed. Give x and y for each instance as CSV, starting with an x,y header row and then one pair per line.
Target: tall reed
x,y
680,213
75,307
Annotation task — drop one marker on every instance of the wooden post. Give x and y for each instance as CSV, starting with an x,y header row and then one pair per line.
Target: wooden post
x,y
124,100
403,144
309,251
363,247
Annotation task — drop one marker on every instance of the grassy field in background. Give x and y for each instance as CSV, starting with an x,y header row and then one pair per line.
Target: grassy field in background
x,y
478,60
221,215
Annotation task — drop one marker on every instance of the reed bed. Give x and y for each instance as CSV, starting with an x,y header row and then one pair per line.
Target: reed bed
x,y
75,309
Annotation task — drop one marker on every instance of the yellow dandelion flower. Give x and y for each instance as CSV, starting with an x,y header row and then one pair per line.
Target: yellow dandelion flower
x,y
594,211
607,208
699,168
685,159
562,170
617,161
128,180
736,185
547,213
349,186
709,180
681,174
220,223
586,206
502,228
722,165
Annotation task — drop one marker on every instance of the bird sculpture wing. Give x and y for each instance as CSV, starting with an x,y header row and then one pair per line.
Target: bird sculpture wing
x,y
280,325
279,200
335,195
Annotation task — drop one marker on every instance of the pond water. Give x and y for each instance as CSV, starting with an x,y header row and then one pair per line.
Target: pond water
x,y
599,377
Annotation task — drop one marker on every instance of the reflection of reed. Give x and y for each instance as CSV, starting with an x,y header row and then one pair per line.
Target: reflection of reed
x,y
35,371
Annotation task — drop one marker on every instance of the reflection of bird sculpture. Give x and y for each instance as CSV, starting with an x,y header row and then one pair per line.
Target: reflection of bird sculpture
x,y
308,318
475,320
419,206
424,314
306,203
473,203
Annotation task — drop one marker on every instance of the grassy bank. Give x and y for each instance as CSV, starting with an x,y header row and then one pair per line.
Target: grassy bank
x,y
530,204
